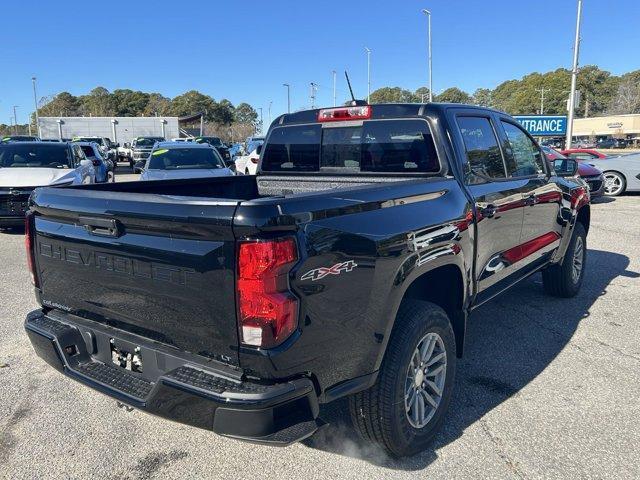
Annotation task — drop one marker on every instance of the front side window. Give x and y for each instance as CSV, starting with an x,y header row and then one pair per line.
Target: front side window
x,y
525,159
387,146
483,152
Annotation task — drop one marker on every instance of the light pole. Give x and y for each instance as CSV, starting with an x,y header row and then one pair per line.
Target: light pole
x,y
368,73
334,88
261,128
35,101
574,78
428,14
15,117
314,86
542,90
288,96
270,103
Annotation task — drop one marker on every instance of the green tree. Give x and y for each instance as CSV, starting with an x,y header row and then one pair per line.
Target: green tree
x,y
422,94
157,105
190,103
62,105
392,95
98,103
453,95
482,97
245,113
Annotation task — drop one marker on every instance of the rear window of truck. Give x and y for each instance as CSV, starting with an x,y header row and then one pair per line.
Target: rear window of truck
x,y
376,146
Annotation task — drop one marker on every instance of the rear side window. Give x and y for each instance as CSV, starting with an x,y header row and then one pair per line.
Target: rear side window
x,y
394,146
483,152
525,158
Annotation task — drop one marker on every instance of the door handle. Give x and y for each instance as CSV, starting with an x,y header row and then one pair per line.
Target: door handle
x,y
101,227
489,211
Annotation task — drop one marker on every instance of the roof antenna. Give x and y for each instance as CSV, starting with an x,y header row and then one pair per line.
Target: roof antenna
x,y
354,102
353,98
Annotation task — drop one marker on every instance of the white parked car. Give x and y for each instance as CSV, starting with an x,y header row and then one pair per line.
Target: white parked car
x,y
171,160
248,164
27,165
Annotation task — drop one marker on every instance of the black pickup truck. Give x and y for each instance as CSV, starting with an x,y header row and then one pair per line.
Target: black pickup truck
x,y
346,267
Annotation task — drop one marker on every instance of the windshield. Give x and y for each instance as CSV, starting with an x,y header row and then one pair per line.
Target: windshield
x,y
35,156
147,141
99,141
20,138
215,141
89,152
184,158
395,146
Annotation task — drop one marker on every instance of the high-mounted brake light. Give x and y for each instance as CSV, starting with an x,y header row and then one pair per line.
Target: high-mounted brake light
x,y
344,114
29,244
267,310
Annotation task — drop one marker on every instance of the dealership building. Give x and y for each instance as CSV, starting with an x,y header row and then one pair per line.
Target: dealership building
x,y
612,126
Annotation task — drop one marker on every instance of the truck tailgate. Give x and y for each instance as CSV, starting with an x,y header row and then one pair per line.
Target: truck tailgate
x,y
155,265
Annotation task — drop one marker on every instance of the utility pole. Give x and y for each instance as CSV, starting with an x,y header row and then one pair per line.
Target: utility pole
x,y
270,103
368,50
288,96
15,117
542,90
574,78
428,14
35,101
314,87
334,88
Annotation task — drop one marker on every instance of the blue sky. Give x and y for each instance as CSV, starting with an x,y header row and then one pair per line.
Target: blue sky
x,y
245,50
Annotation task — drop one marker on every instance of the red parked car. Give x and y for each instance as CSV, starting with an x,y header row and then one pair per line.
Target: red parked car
x,y
583,153
589,174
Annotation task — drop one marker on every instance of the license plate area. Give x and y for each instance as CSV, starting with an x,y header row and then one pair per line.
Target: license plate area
x,y
127,356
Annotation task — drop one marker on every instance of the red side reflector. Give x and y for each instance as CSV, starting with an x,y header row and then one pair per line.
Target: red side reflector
x,y
29,244
344,114
267,310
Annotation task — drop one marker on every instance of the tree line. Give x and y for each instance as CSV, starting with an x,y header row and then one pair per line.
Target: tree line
x,y
601,93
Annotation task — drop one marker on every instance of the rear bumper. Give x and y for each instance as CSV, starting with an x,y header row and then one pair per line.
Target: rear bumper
x,y
186,392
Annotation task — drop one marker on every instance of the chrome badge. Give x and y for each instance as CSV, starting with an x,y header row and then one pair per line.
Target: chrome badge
x,y
337,269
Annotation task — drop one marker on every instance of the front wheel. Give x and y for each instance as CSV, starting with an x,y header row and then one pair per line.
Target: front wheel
x,y
405,408
565,279
614,184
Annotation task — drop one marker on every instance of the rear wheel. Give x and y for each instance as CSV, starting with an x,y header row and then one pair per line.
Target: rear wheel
x,y
565,279
405,408
614,184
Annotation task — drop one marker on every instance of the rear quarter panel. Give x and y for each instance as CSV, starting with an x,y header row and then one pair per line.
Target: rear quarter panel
x,y
393,233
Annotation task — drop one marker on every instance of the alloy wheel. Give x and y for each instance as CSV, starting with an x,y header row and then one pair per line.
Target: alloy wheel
x,y
424,384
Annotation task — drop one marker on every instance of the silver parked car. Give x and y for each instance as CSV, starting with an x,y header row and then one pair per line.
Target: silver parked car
x,y
621,174
27,165
171,160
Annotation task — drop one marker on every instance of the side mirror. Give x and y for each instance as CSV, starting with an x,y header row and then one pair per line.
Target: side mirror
x,y
127,145
565,167
139,165
259,149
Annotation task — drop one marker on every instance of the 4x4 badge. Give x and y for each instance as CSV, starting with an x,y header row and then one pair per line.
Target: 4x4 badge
x,y
337,269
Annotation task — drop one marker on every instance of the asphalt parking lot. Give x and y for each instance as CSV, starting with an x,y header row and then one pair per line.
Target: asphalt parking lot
x,y
548,388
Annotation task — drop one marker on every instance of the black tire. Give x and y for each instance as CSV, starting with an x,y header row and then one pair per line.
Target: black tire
x,y
559,280
378,413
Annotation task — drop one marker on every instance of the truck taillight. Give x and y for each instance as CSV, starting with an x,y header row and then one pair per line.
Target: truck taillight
x,y
29,243
267,310
344,114
255,160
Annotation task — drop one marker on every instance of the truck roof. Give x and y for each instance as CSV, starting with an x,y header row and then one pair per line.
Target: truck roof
x,y
380,111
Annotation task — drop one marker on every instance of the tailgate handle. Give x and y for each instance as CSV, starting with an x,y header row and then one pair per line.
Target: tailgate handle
x,y
102,227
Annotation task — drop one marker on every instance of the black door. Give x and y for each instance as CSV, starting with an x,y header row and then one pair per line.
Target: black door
x,y
498,199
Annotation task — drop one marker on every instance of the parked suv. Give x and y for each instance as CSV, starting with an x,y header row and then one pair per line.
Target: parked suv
x,y
141,148
347,267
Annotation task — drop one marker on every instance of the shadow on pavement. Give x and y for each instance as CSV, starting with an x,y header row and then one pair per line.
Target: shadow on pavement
x,y
510,341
